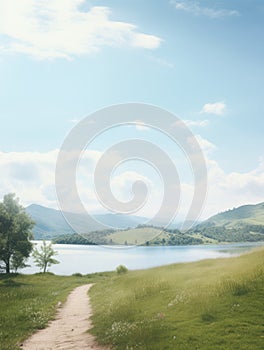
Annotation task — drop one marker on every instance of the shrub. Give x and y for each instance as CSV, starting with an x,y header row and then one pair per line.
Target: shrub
x,y
77,274
121,269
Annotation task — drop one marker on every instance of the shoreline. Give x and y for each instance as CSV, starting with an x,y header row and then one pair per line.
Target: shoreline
x,y
97,259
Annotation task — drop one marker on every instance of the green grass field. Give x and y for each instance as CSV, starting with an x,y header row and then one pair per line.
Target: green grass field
x,y
28,302
135,236
212,304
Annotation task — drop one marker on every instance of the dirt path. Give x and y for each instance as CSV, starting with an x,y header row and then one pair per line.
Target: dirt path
x,y
69,330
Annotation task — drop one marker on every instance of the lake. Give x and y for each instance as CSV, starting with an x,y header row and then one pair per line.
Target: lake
x,y
88,259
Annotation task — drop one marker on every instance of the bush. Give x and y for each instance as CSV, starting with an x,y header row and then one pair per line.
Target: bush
x,y
121,269
77,274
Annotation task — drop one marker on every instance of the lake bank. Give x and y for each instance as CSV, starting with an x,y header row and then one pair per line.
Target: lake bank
x,y
89,259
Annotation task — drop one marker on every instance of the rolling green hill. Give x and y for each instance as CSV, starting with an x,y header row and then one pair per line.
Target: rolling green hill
x,y
153,236
141,235
134,236
242,224
237,217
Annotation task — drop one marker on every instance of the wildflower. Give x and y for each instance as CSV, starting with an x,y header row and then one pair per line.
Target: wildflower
x,y
161,315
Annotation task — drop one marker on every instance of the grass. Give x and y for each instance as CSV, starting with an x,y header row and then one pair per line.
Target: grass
x,y
212,304
139,236
134,236
206,305
246,214
28,302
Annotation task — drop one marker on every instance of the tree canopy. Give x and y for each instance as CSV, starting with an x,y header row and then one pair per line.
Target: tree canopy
x,y
44,256
15,234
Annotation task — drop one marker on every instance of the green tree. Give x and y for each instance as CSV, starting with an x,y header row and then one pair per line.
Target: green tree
x,y
44,257
18,261
15,233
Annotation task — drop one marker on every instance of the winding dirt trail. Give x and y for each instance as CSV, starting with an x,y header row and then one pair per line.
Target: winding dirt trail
x,y
69,329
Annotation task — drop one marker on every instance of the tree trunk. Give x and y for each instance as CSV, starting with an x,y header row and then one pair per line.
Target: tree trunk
x,y
8,266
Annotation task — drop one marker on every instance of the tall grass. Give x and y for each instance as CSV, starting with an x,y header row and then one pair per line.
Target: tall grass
x,y
213,304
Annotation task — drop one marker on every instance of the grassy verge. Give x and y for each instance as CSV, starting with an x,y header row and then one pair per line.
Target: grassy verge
x,y
213,304
28,302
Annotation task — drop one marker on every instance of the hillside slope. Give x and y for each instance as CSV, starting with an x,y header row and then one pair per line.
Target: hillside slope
x,y
206,305
50,223
242,224
241,216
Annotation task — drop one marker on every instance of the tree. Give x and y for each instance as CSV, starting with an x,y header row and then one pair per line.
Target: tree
x,y
15,233
18,261
44,257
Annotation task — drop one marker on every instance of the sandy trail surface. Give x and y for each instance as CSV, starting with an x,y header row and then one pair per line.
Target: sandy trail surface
x,y
69,329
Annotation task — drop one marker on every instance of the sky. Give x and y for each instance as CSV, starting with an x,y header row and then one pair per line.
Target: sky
x,y
60,61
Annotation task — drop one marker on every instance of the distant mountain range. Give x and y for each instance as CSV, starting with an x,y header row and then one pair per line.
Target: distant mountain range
x,y
50,223
243,224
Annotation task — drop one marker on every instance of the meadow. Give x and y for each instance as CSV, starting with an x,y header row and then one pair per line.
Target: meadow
x,y
28,302
211,304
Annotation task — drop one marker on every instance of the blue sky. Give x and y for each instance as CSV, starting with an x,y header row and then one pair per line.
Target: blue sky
x,y
202,60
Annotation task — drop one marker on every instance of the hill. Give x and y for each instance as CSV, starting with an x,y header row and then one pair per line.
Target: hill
x,y
141,235
154,236
238,217
50,223
242,224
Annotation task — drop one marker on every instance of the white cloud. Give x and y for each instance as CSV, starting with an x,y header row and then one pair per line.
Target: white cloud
x,y
228,190
54,28
217,108
121,184
145,40
31,176
195,8
206,145
198,123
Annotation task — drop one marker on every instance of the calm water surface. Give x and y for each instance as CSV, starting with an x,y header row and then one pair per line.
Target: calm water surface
x,y
88,259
